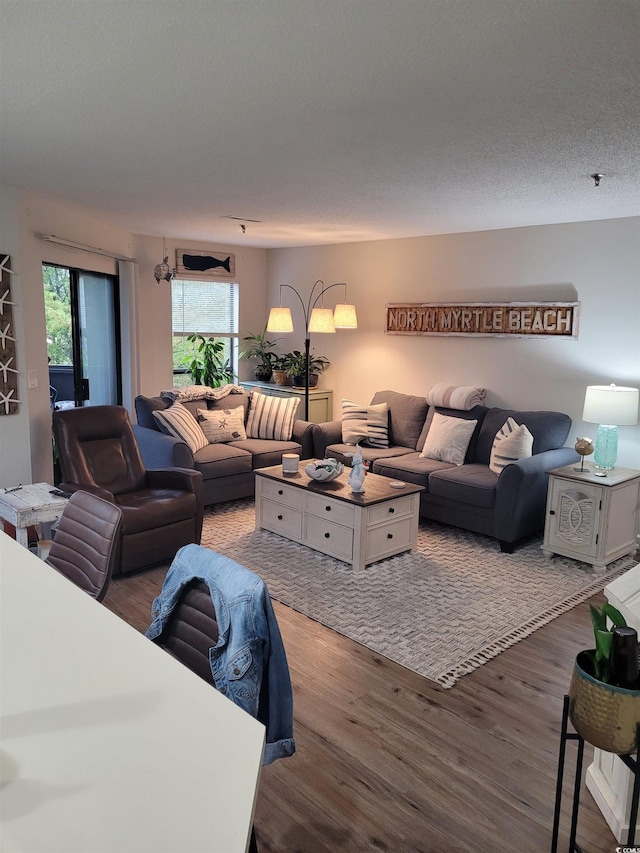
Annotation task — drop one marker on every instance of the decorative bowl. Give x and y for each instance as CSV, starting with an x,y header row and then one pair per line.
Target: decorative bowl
x,y
324,470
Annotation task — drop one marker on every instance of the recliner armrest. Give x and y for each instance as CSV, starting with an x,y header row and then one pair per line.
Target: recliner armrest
x,y
184,479
98,491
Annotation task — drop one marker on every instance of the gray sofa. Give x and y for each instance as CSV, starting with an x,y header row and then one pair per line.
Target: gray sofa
x,y
227,468
508,506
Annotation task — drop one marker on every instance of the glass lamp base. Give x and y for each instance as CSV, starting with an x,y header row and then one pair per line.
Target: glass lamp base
x,y
606,450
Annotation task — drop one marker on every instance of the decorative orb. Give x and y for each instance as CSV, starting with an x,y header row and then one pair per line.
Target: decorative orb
x,y
163,271
584,446
324,470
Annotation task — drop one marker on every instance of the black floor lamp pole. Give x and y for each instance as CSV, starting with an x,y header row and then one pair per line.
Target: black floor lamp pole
x,y
307,344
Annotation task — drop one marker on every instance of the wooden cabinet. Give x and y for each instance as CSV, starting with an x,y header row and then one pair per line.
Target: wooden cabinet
x,y
320,399
356,533
592,518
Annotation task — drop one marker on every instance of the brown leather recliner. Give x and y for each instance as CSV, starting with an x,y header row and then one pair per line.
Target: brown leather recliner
x,y
161,508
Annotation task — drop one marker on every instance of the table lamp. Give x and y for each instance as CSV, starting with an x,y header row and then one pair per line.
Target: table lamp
x,y
610,406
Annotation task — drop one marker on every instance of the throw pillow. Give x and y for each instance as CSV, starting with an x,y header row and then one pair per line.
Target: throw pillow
x,y
448,439
271,417
220,425
365,424
513,441
178,421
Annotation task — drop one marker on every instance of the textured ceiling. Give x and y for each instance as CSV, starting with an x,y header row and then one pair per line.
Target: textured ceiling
x,y
328,120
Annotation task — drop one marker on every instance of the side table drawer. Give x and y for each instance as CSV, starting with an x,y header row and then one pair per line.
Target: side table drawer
x,y
282,519
280,492
329,509
328,537
390,510
388,539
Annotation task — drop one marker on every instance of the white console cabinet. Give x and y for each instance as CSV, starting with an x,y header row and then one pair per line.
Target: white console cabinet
x,y
590,518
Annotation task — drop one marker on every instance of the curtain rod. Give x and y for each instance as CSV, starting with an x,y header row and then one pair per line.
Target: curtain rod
x,y
50,238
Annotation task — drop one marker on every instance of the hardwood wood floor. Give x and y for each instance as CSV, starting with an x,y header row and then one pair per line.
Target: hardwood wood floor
x,y
388,761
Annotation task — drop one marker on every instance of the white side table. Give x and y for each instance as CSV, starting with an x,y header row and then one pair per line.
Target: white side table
x,y
590,518
28,506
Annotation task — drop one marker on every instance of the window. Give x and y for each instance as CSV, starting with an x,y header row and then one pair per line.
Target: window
x,y
208,308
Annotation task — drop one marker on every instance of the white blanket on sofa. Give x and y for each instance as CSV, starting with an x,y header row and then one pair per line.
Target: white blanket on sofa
x,y
455,396
200,392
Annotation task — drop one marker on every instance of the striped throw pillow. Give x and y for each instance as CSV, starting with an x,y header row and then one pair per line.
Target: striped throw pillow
x,y
271,417
513,441
177,420
367,425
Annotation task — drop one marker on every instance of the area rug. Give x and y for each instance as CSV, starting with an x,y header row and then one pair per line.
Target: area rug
x,y
441,611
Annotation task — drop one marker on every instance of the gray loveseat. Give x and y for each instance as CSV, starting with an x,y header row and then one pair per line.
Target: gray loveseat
x,y
227,468
508,506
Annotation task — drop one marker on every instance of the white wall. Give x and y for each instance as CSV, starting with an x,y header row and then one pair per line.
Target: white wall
x,y
25,438
594,263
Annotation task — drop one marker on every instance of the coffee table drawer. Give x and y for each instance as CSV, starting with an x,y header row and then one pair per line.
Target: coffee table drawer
x,y
328,537
388,539
329,509
282,519
390,510
280,492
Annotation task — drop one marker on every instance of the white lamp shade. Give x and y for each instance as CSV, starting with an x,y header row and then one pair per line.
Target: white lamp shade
x,y
280,320
344,317
611,404
321,320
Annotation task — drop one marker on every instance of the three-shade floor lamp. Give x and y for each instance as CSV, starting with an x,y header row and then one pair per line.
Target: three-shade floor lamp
x,y
316,319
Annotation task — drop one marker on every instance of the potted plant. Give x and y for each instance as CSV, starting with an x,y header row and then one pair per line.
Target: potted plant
x,y
280,366
208,366
260,349
297,368
604,703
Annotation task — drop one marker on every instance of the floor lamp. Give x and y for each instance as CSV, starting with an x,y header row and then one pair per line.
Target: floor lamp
x,y
321,319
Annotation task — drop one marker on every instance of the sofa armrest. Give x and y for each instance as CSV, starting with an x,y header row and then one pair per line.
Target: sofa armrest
x,y
325,434
303,434
521,493
162,451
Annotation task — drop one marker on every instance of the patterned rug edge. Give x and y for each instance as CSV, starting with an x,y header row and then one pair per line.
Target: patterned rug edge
x,y
449,678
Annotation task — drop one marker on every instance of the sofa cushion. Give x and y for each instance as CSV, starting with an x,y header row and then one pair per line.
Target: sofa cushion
x,y
178,421
271,417
469,484
512,442
145,407
342,451
411,468
267,452
367,425
549,430
222,460
407,415
477,413
222,424
448,439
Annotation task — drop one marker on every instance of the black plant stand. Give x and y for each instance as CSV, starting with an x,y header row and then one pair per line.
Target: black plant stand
x,y
632,763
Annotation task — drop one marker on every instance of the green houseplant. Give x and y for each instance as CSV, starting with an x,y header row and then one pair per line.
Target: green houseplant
x,y
208,365
296,366
260,349
280,365
602,712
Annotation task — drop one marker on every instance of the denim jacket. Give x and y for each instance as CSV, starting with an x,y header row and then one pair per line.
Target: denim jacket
x,y
248,662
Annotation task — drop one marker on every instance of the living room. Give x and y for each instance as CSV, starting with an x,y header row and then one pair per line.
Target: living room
x,y
529,251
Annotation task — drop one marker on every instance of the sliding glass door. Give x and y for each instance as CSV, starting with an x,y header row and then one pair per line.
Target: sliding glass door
x,y
82,337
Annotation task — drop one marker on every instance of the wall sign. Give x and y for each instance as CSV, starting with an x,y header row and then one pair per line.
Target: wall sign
x,y
193,263
480,319
8,367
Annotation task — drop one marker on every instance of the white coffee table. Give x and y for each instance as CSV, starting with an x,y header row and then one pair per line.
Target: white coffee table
x,y
30,505
359,529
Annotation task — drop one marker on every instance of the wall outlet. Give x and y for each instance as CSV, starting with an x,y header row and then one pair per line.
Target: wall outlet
x,y
32,378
